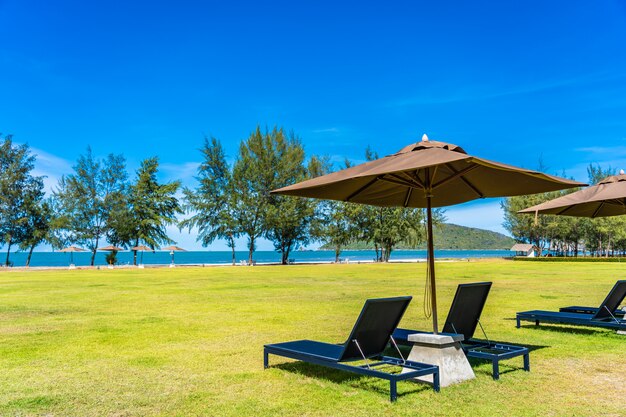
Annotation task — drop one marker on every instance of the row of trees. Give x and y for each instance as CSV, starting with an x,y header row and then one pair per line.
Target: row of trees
x,y
235,201
564,235
95,203
98,202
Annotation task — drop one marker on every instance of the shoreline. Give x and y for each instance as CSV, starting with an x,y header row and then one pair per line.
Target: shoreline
x,y
216,265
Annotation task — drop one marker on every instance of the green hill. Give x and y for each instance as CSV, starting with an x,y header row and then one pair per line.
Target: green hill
x,y
453,236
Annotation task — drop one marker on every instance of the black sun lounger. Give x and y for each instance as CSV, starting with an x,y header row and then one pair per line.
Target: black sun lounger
x,y
602,317
463,317
616,292
367,341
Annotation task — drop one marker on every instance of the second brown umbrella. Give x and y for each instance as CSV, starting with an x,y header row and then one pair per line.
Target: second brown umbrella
x,y
427,174
607,198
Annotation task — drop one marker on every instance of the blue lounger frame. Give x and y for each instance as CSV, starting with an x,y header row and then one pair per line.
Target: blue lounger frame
x,y
463,318
616,296
602,317
367,341
589,310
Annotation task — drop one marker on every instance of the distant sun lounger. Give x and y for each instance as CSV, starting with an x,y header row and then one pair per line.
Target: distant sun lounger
x,y
368,339
602,316
463,318
614,293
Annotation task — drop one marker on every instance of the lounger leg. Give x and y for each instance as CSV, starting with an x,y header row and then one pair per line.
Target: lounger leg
x,y
265,359
517,322
536,322
393,390
527,362
496,369
436,385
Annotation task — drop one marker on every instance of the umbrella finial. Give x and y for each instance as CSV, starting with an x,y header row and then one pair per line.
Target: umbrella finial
x,y
621,172
425,138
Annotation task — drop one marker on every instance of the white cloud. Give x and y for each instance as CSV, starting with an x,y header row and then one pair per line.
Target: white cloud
x,y
488,92
326,130
184,172
51,167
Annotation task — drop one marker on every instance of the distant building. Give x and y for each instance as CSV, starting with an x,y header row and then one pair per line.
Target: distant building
x,y
525,249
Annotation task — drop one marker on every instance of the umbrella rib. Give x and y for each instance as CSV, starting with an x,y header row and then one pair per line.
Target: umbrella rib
x,y
593,216
413,180
564,210
363,188
408,196
401,180
415,177
469,184
455,175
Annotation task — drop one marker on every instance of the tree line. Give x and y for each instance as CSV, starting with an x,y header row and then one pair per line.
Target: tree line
x,y
99,202
565,235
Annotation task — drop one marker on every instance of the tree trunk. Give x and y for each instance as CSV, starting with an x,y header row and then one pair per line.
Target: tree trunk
x,y
231,243
250,249
6,262
30,254
286,250
93,253
337,253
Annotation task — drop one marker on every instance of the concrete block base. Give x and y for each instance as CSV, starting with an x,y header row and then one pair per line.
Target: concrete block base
x,y
445,351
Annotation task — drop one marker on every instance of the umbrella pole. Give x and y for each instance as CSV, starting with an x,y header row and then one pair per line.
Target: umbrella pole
x,y
431,262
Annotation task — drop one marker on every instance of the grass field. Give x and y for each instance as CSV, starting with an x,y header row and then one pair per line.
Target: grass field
x,y
189,342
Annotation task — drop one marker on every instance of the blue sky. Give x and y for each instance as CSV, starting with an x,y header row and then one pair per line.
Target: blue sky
x,y
510,81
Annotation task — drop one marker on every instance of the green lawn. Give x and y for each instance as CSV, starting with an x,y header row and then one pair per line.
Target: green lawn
x,y
187,342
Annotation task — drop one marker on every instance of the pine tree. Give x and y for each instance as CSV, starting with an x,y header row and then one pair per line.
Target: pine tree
x,y
87,198
20,193
211,203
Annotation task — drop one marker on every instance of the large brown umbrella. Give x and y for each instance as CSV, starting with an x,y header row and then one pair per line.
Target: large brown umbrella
x,y
607,198
173,249
427,174
71,250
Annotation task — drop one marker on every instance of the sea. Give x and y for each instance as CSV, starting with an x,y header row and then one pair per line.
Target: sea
x,y
59,259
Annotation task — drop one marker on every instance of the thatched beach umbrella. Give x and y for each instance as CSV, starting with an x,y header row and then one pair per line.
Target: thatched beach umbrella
x,y
173,249
427,174
71,250
111,248
141,248
607,198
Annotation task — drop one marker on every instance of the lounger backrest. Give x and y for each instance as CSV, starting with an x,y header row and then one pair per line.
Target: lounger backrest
x,y
612,301
466,308
374,327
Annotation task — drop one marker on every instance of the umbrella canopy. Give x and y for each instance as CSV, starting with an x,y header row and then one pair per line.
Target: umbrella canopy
x,y
427,174
111,248
73,249
174,248
141,248
607,198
